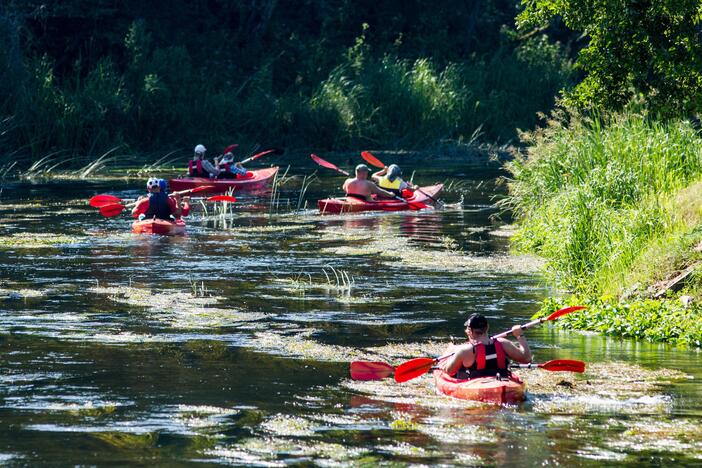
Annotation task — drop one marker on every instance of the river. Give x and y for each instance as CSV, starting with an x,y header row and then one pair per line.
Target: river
x,y
232,345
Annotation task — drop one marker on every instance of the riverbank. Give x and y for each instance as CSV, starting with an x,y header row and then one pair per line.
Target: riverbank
x,y
614,206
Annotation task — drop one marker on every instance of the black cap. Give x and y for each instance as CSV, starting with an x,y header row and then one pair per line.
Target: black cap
x,y
476,322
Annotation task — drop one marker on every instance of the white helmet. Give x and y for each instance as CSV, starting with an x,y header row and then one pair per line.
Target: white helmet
x,y
151,183
200,149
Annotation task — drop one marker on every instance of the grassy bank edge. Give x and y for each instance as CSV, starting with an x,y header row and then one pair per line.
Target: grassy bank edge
x,y
614,205
669,320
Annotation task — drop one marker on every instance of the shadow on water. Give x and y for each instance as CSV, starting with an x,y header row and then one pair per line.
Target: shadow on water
x,y
232,344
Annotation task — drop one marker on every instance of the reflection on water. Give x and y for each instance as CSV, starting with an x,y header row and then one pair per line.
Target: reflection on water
x,y
231,344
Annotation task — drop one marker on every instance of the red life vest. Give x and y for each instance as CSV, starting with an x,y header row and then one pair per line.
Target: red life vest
x,y
198,168
481,358
487,365
226,167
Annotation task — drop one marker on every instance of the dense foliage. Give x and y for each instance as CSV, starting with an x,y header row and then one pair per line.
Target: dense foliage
x,y
595,194
647,49
649,320
84,76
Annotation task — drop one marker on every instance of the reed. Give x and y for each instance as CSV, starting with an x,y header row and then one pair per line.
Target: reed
x,y
592,193
362,97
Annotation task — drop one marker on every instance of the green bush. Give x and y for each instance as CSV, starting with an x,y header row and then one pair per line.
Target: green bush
x,y
593,193
650,320
153,97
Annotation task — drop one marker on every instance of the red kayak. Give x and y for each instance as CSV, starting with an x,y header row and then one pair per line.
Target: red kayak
x,y
485,389
253,181
354,205
159,226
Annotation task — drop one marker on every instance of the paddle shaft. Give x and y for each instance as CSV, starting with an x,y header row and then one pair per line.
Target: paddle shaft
x,y
328,165
256,156
182,192
523,327
531,365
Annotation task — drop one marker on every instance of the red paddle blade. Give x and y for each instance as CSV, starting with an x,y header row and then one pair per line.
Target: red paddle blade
x,y
111,210
366,370
262,153
414,368
563,365
564,311
372,160
101,200
222,198
229,148
327,164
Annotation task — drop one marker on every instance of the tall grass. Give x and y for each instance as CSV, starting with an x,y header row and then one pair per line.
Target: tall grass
x,y
161,98
593,193
403,103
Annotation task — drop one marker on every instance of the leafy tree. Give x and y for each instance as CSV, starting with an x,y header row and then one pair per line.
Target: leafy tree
x,y
651,48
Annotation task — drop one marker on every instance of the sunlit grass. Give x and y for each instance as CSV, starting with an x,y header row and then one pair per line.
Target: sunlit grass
x,y
593,194
331,281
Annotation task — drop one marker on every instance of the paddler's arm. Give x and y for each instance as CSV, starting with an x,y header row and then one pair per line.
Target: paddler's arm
x,y
208,167
377,175
519,351
174,204
345,185
463,356
185,207
407,186
378,191
141,206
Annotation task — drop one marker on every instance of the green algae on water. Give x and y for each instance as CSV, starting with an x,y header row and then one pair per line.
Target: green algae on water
x,y
37,240
188,310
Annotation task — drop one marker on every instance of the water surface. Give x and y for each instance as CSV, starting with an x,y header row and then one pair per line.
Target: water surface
x,y
231,345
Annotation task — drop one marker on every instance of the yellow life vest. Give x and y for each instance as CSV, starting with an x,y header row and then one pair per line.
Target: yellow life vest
x,y
385,183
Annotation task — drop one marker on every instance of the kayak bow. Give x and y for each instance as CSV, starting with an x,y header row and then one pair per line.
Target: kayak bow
x,y
159,226
485,389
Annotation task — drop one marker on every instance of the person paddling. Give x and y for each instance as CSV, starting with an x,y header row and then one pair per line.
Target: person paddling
x,y
484,356
199,166
362,188
228,169
158,204
390,178
163,186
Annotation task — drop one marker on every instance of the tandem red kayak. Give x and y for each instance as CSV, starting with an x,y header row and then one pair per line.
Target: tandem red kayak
x,y
159,226
254,181
354,205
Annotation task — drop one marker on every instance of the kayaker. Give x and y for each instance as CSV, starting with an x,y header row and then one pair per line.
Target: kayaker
x,y
390,178
158,204
482,356
362,188
163,185
199,166
228,169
